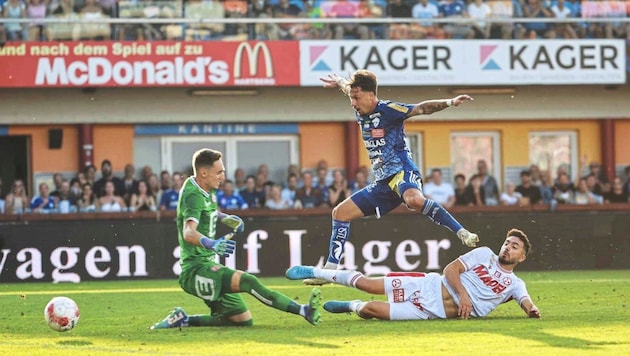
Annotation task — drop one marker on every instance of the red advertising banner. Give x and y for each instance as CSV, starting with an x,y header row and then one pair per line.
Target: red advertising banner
x,y
146,64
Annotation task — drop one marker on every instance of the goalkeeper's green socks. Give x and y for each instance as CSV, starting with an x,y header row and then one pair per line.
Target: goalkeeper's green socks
x,y
277,300
215,320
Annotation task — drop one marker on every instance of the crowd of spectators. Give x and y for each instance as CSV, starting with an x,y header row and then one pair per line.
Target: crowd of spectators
x,y
536,187
319,187
485,19
83,193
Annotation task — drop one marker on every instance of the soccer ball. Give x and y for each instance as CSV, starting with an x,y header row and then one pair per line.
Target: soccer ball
x,y
61,314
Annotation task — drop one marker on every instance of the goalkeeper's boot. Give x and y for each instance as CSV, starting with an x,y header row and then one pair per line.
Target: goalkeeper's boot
x,y
176,319
313,315
468,238
339,306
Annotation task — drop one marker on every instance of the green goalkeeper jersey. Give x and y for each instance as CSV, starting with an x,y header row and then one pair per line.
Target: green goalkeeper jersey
x,y
201,206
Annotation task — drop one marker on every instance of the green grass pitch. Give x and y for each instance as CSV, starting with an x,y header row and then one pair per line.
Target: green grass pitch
x,y
584,313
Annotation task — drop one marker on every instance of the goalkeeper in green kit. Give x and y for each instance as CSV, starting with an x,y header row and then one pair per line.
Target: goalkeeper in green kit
x,y
218,286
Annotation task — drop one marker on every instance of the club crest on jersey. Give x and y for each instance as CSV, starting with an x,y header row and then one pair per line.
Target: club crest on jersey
x,y
396,283
376,121
497,274
377,133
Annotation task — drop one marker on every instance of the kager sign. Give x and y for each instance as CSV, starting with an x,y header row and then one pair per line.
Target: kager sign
x,y
94,64
469,62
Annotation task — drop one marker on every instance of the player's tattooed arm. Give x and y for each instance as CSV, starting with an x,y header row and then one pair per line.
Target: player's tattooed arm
x,y
430,106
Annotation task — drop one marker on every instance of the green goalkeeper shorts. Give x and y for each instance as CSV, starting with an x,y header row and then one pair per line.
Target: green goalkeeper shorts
x,y
211,282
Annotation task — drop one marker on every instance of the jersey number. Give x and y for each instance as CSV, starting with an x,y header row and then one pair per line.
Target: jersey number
x,y
204,287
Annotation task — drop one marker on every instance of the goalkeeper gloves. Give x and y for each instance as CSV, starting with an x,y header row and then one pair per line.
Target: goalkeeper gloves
x,y
223,246
234,222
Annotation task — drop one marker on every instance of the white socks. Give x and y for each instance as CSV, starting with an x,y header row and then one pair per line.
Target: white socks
x,y
356,306
346,278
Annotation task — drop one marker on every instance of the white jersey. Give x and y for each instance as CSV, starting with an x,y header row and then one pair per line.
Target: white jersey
x,y
488,285
440,193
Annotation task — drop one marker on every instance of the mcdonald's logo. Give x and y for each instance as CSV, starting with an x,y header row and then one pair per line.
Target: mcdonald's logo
x,y
253,54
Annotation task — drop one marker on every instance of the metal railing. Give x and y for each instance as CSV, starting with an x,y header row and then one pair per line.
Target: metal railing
x,y
367,21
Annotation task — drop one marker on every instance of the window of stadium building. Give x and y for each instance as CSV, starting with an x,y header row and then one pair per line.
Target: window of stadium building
x,y
414,142
468,148
550,150
277,152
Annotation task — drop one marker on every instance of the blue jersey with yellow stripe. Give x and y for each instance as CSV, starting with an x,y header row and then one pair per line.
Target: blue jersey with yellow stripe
x,y
383,134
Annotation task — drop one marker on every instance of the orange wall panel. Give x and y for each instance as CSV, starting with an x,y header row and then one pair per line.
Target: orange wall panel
x,y
514,138
45,160
622,142
322,141
115,143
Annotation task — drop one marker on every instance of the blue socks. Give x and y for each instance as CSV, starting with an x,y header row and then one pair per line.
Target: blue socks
x,y
434,211
341,229
340,233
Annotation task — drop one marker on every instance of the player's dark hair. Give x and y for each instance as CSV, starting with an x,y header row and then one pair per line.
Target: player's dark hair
x,y
365,80
460,176
205,157
521,235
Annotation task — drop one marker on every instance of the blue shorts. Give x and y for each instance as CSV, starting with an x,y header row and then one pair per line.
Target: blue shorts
x,y
383,196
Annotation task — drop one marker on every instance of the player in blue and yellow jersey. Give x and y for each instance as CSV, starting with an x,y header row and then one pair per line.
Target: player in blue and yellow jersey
x,y
202,276
398,180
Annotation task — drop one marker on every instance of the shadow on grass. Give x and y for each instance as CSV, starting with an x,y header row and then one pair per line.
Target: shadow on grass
x,y
356,329
74,342
522,329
